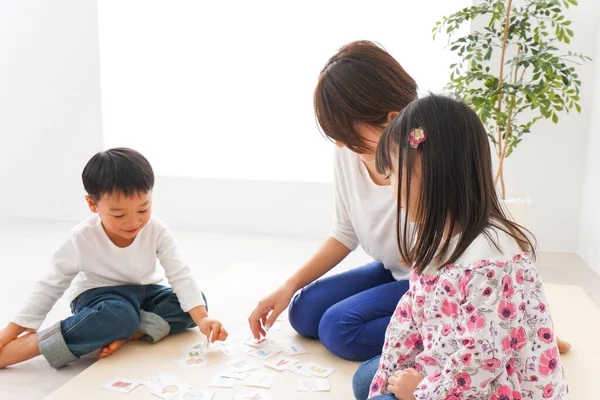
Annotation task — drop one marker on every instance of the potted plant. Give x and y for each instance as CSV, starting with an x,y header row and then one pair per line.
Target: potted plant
x,y
512,73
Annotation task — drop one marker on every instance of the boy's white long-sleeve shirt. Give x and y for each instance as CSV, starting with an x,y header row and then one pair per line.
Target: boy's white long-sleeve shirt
x,y
89,260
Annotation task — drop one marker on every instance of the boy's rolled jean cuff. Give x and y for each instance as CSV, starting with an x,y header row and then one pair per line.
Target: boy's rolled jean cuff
x,y
153,327
53,347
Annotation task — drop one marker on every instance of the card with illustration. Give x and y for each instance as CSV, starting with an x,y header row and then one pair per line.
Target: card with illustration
x,y
265,352
231,373
254,396
281,363
122,385
195,394
235,350
244,366
300,369
295,349
222,382
166,386
313,385
186,362
262,379
262,342
319,370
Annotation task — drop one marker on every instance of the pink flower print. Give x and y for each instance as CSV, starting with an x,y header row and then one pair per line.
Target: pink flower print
x,y
545,335
533,378
414,276
466,359
491,364
448,288
449,308
462,285
462,380
517,396
475,322
548,362
485,383
487,292
542,307
490,275
451,397
469,308
435,377
503,393
403,312
429,361
507,289
515,342
522,307
429,282
520,276
548,391
510,367
415,341
446,329
420,301
507,310
460,329
469,343
377,385
501,264
401,359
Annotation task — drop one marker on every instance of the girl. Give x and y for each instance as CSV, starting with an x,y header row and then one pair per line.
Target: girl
x,y
475,322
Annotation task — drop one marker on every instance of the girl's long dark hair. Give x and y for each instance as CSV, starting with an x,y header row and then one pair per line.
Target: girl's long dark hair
x,y
457,184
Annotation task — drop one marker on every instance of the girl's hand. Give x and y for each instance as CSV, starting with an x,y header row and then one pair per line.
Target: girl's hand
x,y
404,383
10,333
268,309
213,329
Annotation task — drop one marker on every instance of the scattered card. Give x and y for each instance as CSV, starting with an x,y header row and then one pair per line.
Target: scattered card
x,y
222,381
319,370
281,363
166,386
196,394
313,385
186,362
295,349
258,343
262,379
240,376
235,350
300,369
265,352
243,366
122,385
254,396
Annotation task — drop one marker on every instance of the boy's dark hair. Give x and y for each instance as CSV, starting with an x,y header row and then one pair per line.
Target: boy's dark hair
x,y
457,183
360,83
119,170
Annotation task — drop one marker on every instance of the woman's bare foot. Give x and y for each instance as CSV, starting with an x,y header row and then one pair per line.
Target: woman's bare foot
x,y
19,350
114,346
563,347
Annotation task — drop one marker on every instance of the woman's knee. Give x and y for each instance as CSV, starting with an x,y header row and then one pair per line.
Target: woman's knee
x,y
302,317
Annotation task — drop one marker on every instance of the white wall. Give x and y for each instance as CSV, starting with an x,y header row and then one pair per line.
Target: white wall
x,y
589,231
547,166
50,118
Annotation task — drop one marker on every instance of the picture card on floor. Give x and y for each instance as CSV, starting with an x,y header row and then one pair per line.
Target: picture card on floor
x,y
195,394
186,362
295,349
262,379
319,370
231,373
244,366
265,352
235,350
222,381
258,343
313,385
254,396
122,385
281,363
166,386
300,369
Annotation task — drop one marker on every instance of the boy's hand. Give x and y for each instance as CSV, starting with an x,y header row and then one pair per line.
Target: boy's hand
x,y
10,333
212,329
404,383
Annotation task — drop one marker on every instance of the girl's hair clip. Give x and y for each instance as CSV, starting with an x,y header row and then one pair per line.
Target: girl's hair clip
x,y
416,137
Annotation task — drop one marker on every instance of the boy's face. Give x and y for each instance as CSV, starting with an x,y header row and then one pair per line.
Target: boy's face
x,y
123,217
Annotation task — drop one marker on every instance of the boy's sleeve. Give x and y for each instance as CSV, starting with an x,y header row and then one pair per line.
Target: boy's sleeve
x,y
45,293
178,272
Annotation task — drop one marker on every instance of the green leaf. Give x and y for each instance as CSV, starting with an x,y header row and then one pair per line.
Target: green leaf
x,y
554,118
578,107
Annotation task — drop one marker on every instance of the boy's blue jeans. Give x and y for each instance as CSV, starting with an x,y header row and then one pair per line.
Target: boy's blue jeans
x,y
103,315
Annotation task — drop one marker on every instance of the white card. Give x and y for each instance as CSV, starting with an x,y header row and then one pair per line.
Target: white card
x,y
300,369
319,370
254,396
258,343
313,385
294,349
281,363
166,386
231,373
192,362
196,394
244,366
235,350
222,381
265,352
262,379
276,326
122,385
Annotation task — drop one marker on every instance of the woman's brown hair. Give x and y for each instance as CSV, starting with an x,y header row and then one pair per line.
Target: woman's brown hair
x,y
360,83
457,184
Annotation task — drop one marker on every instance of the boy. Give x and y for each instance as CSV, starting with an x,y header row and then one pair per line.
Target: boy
x,y
111,260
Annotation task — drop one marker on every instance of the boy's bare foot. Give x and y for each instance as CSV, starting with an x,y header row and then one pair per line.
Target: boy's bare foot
x,y
20,349
563,347
114,346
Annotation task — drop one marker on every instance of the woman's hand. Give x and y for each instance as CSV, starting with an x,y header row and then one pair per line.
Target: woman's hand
x,y
404,383
268,309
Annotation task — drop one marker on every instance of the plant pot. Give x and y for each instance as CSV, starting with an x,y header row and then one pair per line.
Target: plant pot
x,y
518,209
